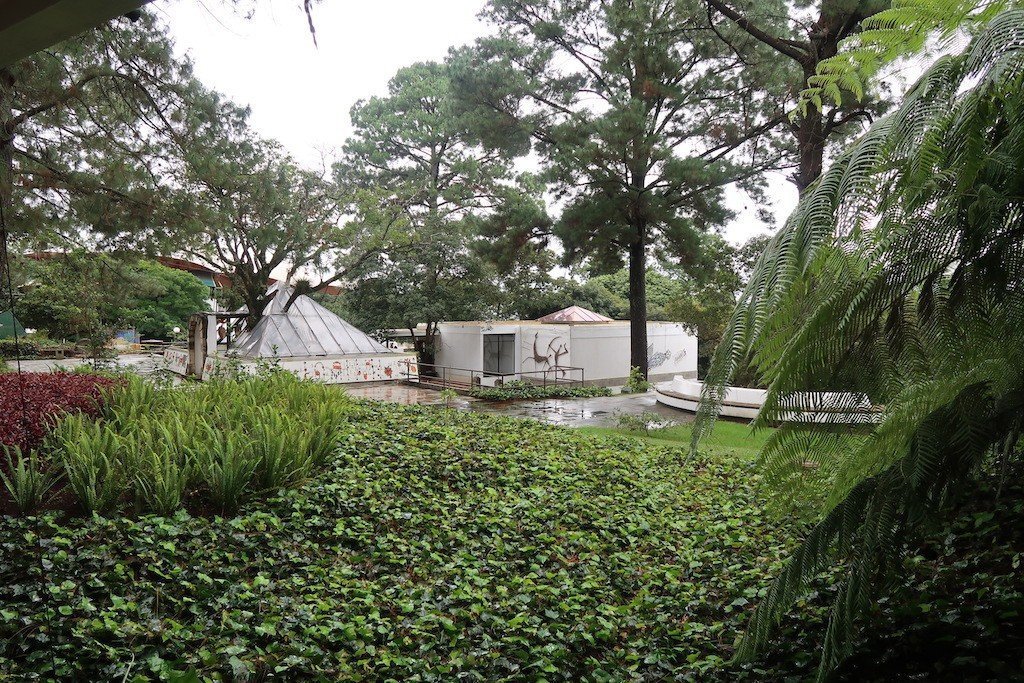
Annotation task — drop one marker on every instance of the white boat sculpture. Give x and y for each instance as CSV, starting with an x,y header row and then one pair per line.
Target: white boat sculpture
x,y
823,407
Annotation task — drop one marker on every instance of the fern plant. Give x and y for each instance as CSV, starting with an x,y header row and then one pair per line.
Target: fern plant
x,y
906,28
227,468
92,454
901,276
26,479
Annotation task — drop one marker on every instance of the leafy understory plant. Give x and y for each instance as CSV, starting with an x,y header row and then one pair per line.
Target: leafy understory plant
x,y
217,443
280,449
643,422
92,457
323,432
637,383
518,390
228,466
26,479
448,395
162,478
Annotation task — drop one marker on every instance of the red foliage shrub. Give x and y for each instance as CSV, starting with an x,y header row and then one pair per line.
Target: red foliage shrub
x,y
47,396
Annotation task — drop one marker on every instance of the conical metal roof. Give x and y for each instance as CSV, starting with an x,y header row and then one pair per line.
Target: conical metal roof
x,y
574,314
305,329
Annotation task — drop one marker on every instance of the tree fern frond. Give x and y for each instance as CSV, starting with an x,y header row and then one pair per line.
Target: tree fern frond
x,y
900,275
903,29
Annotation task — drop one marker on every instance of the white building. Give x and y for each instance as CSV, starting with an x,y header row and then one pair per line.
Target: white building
x,y
572,344
305,339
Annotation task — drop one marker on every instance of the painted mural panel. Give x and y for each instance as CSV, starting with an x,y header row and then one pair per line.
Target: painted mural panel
x,y
545,349
336,370
176,360
666,352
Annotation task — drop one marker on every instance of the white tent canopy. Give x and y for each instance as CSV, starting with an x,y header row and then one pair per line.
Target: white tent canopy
x,y
305,329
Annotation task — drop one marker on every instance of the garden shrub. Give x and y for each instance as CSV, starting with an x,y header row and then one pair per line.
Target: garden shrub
x,y
637,383
9,349
643,422
207,446
47,397
27,480
518,390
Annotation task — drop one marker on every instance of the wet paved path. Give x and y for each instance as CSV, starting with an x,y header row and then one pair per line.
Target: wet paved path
x,y
600,411
142,363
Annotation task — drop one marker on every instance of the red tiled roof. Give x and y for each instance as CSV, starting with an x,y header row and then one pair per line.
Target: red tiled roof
x,y
183,264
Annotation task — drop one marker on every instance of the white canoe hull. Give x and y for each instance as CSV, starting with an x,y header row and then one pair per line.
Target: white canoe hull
x,y
825,407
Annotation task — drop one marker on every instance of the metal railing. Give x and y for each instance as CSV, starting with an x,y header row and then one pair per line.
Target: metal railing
x,y
467,379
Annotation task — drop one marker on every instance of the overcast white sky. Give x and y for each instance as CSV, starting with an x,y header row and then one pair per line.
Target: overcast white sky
x,y
301,94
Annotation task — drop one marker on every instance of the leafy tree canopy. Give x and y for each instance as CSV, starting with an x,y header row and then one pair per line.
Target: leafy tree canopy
x,y
83,155
414,156
258,213
166,299
787,43
85,296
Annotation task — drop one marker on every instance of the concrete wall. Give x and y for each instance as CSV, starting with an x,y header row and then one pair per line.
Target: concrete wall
x,y
672,351
459,346
601,349
604,351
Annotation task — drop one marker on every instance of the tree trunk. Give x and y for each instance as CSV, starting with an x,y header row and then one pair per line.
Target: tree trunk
x,y
255,303
6,164
425,348
638,300
810,137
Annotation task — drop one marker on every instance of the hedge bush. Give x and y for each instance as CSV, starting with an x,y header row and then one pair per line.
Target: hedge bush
x,y
32,402
519,390
9,349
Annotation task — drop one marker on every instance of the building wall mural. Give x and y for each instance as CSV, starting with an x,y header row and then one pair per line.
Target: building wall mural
x,y
660,351
176,360
335,370
544,350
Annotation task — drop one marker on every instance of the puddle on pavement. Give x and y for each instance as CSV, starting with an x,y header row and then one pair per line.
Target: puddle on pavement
x,y
600,411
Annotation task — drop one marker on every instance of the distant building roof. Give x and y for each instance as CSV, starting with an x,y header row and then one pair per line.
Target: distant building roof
x,y
574,314
10,326
208,276
332,290
305,329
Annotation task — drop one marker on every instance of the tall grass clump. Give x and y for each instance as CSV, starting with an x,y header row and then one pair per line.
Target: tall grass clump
x,y
27,479
92,452
205,447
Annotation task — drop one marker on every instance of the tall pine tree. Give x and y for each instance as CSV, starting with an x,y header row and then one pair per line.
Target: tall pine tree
x,y
642,116
809,35
82,150
415,151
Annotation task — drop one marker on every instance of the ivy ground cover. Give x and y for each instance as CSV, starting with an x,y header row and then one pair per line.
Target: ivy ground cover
x,y
437,545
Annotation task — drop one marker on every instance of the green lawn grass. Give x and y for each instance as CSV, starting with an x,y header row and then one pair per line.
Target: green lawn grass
x,y
728,438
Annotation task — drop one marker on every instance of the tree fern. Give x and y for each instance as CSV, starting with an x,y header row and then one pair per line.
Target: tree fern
x,y
900,276
903,29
